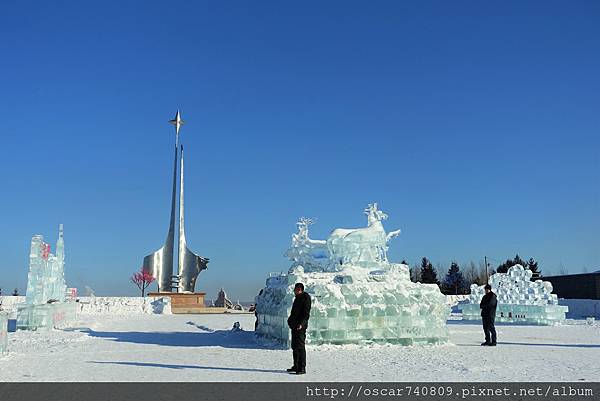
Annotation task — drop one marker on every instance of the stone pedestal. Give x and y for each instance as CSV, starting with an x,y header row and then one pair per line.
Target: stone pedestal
x,y
186,303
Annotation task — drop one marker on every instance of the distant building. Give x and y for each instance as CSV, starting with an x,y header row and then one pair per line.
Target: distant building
x,y
580,286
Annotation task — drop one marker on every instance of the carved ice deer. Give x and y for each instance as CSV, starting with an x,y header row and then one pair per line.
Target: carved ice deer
x,y
361,244
305,251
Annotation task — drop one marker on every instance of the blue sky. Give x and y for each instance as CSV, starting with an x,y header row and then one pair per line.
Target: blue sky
x,y
475,126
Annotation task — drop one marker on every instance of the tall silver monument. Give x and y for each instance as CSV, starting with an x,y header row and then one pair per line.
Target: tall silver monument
x,y
160,263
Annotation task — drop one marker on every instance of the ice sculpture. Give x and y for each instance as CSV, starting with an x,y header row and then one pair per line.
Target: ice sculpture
x,y
312,255
45,305
358,296
222,300
3,332
520,300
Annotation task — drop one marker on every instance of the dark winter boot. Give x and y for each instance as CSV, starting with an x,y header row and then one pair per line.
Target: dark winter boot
x,y
292,369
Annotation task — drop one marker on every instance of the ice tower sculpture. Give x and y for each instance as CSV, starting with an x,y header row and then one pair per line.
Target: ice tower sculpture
x,y
520,300
45,305
358,296
3,332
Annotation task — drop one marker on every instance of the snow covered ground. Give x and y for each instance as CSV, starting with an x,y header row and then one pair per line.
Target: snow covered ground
x,y
150,347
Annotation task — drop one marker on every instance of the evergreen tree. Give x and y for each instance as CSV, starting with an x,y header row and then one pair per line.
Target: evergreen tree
x,y
454,283
503,268
518,261
415,274
428,273
533,266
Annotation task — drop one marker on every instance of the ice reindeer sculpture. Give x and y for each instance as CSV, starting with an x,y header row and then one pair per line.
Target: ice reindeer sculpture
x,y
311,254
358,295
361,246
520,300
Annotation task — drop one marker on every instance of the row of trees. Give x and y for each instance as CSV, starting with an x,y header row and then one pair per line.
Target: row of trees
x,y
458,280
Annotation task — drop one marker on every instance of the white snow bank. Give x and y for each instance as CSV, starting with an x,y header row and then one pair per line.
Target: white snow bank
x,y
8,303
124,305
581,308
106,305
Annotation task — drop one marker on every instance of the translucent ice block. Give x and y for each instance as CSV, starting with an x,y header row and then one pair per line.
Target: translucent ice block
x,y
3,332
47,316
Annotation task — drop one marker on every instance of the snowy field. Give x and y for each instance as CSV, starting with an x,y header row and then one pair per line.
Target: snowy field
x,y
203,348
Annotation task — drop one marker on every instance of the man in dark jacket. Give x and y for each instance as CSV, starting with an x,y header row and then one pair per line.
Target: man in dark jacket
x,y
488,315
298,322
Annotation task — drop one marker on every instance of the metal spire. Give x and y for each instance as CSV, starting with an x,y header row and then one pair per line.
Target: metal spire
x,y
177,122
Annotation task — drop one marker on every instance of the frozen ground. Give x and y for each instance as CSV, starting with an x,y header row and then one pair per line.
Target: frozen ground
x,y
203,348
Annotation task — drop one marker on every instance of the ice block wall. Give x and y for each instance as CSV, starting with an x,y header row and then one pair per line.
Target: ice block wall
x,y
520,300
357,306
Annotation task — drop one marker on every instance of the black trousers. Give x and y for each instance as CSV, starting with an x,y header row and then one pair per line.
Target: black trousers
x,y
299,349
488,328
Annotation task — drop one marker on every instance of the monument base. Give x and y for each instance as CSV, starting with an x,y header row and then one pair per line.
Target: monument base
x,y
46,316
186,303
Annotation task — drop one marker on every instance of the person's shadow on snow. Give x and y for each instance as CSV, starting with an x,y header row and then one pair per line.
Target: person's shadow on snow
x,y
206,337
171,366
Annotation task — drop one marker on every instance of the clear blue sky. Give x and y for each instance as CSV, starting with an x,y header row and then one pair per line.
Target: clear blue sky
x,y
474,125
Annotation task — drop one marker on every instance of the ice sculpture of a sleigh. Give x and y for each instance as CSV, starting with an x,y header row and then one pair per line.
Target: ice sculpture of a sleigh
x,y
358,295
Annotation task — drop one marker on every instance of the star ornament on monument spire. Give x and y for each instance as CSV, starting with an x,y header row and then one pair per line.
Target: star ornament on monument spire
x,y
177,122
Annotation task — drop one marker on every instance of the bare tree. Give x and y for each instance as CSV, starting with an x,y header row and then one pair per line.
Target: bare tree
x,y
471,274
482,274
562,270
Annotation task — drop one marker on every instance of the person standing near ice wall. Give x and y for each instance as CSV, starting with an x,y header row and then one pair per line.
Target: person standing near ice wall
x,y
298,322
488,315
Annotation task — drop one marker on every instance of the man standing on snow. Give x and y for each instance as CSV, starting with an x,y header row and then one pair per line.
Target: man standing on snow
x,y
298,322
488,315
